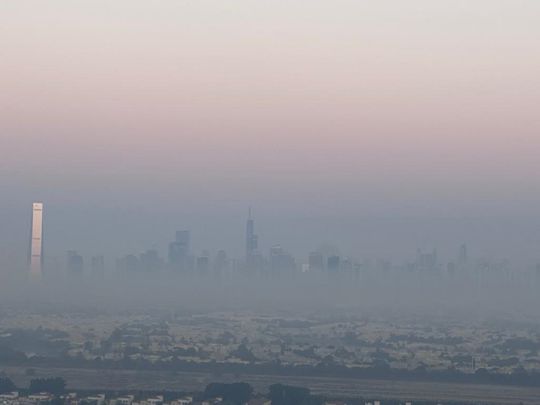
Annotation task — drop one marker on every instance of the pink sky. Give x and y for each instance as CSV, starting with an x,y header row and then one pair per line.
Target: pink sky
x,y
421,103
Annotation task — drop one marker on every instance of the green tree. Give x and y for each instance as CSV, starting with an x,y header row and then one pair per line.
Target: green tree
x,y
236,393
55,385
6,385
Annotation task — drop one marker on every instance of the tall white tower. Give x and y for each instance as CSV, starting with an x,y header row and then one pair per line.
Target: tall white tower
x,y
36,242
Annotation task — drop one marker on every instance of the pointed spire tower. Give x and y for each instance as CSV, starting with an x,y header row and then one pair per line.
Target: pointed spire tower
x,y
251,238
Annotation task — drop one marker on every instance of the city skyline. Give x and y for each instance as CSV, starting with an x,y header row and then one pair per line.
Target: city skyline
x,y
261,202
379,127
180,258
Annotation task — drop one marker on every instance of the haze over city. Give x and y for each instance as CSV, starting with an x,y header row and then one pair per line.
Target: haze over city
x,y
381,127
346,186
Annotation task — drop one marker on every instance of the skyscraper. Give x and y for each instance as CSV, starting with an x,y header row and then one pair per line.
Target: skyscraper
x,y
97,266
316,261
463,255
184,238
150,261
74,264
179,251
333,264
281,262
251,238
36,242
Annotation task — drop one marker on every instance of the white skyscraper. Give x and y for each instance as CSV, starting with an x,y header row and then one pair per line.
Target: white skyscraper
x,y
36,242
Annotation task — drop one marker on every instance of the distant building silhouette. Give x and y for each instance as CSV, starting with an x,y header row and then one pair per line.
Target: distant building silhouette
x,y
316,261
75,263
281,261
97,266
184,238
451,269
128,264
221,263
179,251
463,255
203,264
333,264
426,261
251,239
36,242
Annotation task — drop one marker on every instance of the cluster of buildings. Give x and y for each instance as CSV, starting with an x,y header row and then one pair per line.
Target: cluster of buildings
x,y
13,398
180,259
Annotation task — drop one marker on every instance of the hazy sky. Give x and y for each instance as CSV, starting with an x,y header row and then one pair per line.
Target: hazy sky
x,y
179,112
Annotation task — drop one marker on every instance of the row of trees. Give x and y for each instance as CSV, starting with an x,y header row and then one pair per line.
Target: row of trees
x,y
326,368
279,394
233,394
56,385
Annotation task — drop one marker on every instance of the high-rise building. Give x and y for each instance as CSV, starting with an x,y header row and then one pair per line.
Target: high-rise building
x,y
203,264
251,238
97,265
75,263
281,261
426,261
316,261
184,238
221,263
179,251
36,242
463,255
128,265
333,264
